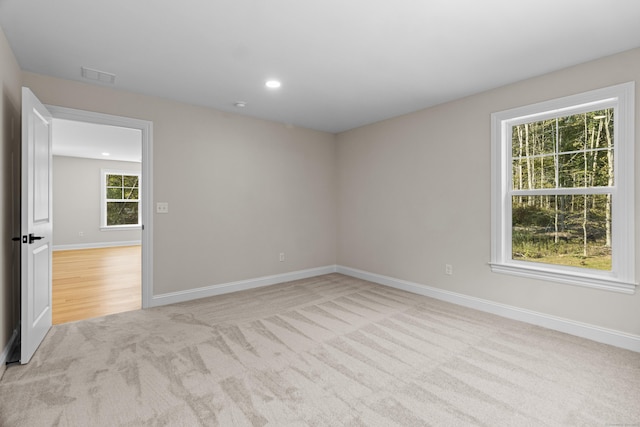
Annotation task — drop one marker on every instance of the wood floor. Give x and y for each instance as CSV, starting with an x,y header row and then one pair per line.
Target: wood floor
x,y
95,282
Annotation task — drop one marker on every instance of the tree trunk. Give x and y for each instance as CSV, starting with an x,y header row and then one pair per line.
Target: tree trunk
x,y
556,161
519,165
585,207
529,166
556,237
610,171
595,144
584,225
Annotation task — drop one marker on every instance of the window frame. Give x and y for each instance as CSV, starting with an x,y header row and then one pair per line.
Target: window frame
x,y
621,278
104,201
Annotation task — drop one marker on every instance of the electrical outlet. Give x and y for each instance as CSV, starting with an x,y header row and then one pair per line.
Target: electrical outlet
x,y
448,269
281,256
81,233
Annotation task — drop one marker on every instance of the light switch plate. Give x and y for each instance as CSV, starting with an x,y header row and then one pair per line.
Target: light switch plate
x,y
162,207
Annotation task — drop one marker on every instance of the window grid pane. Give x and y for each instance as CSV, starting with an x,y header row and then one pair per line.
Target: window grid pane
x,y
564,152
571,230
122,213
122,199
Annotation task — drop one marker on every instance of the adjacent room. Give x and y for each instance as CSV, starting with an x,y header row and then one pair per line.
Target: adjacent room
x,y
340,213
96,265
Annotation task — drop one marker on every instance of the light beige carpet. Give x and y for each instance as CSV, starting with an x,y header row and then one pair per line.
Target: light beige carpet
x,y
326,351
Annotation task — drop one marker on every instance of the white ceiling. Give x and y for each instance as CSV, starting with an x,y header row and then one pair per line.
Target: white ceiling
x,y
95,141
342,63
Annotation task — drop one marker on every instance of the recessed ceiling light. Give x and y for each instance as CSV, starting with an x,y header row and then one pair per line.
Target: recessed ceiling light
x,y
240,104
106,154
273,84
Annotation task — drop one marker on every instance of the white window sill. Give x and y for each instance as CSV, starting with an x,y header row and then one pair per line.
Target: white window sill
x,y
121,228
569,277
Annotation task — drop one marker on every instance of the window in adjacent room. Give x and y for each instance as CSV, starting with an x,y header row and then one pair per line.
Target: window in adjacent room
x,y
562,190
120,199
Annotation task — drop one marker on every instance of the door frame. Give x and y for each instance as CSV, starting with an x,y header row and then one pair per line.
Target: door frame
x,y
146,187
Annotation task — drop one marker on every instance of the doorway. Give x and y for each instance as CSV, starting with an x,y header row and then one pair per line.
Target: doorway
x,y
101,265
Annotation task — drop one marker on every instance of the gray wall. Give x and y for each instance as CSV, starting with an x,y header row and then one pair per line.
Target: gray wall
x,y
240,190
414,195
10,105
76,203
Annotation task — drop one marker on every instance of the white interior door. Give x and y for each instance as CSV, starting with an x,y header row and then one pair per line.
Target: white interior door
x,y
36,224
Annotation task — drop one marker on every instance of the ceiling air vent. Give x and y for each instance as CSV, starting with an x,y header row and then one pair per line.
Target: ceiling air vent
x,y
97,75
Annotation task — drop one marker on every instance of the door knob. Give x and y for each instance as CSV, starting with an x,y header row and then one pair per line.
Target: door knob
x,y
33,238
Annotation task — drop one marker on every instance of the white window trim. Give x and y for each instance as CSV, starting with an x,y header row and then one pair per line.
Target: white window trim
x,y
103,200
621,278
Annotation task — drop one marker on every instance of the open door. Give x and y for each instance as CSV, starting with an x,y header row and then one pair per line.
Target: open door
x,y
36,225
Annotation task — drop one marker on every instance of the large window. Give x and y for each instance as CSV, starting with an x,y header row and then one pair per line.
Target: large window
x,y
120,199
562,196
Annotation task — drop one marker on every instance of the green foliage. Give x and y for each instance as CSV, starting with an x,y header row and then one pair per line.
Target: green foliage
x,y
564,152
567,152
528,246
122,213
130,181
122,195
525,216
539,243
114,193
114,180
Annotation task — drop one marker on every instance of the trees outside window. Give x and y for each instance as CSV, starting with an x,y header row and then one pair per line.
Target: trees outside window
x,y
562,194
121,199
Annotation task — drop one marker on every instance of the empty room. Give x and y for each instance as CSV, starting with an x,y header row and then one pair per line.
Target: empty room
x,y
347,213
96,234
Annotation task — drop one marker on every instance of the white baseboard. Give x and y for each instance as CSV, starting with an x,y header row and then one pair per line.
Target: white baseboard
x,y
242,285
584,330
95,245
5,352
